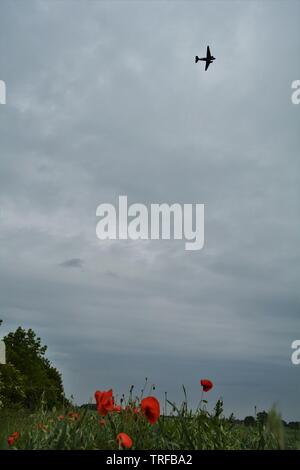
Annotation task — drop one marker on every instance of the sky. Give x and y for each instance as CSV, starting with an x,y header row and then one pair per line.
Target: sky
x,y
104,99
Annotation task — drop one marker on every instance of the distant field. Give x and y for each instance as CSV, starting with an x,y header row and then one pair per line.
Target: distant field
x,y
85,429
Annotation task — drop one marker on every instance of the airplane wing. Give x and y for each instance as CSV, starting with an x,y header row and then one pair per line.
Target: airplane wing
x,y
208,62
208,54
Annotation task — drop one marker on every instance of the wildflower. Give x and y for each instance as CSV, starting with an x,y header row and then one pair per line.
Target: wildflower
x,y
118,408
10,441
206,384
105,402
73,416
14,437
151,409
124,440
61,417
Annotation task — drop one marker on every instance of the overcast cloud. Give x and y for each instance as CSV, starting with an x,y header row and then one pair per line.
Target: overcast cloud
x,y
104,99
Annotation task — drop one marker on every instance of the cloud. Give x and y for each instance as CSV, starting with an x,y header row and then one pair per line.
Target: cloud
x,y
72,263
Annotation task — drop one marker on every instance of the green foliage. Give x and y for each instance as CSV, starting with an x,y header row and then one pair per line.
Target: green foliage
x,y
28,375
183,429
275,426
262,417
249,421
12,387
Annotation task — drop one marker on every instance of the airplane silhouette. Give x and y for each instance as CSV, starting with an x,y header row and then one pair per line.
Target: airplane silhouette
x,y
208,59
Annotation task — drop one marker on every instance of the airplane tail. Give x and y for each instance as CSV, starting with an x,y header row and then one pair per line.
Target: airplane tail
x,y
196,59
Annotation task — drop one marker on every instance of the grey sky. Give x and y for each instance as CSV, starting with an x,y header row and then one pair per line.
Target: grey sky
x,y
103,99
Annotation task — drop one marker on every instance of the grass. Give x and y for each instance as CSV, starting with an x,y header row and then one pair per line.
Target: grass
x,y
183,429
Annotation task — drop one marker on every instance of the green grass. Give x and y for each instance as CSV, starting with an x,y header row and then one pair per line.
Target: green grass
x,y
182,430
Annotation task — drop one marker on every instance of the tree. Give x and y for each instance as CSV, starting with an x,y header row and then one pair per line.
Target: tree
x,y
12,388
26,356
262,417
294,425
249,421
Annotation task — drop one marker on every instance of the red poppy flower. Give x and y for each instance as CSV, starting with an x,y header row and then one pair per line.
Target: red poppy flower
x,y
206,384
105,402
151,409
61,417
11,440
136,410
124,440
118,408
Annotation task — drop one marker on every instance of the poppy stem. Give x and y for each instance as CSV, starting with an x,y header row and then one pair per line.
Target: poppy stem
x,y
144,387
111,422
166,403
199,405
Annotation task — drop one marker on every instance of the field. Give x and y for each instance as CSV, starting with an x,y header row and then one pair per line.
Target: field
x,y
139,424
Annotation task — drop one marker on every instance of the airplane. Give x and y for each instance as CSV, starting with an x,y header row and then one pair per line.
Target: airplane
x,y
208,59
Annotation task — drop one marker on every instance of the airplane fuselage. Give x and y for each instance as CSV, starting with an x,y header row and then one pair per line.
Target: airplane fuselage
x,y
208,60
